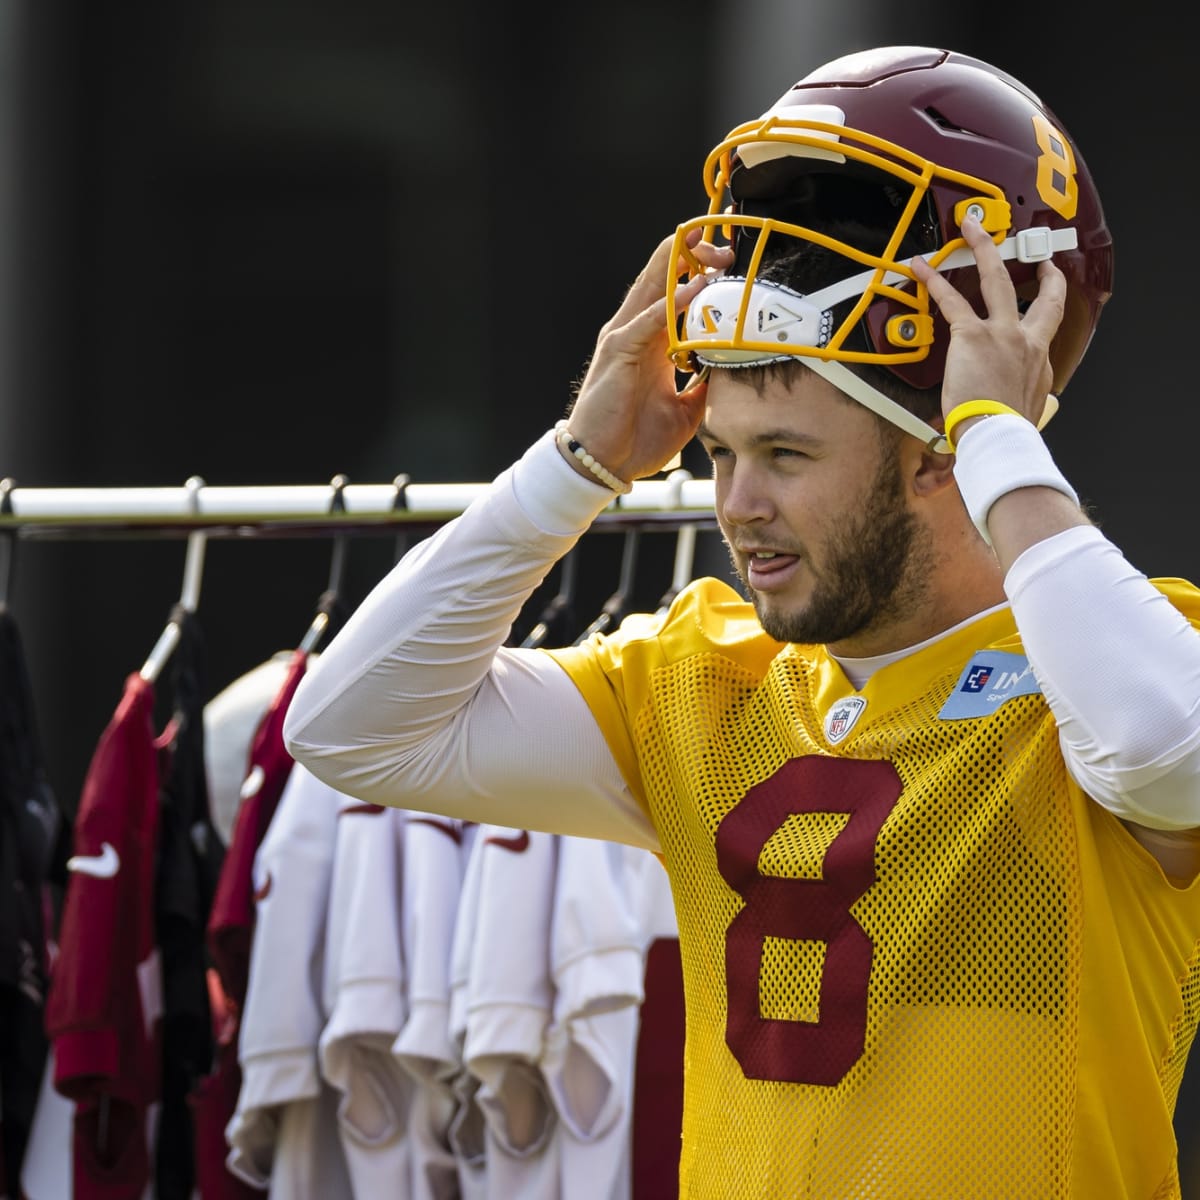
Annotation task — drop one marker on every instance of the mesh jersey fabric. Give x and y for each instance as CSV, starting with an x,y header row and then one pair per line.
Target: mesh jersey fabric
x,y
917,960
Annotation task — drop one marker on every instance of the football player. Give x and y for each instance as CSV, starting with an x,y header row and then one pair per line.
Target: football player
x,y
928,793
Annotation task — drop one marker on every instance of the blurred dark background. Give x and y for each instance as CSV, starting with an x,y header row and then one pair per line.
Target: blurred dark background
x,y
270,241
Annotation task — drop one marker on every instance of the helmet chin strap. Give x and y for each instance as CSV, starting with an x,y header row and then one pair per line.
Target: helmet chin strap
x,y
1029,245
846,381
857,389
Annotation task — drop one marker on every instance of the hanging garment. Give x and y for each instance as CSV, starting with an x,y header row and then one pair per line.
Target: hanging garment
x,y
284,1013
364,989
264,771
658,1063
31,825
231,920
213,1102
190,855
104,1012
509,1005
467,1134
307,1161
603,919
232,719
435,862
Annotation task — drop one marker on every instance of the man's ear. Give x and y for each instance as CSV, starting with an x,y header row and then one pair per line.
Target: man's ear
x,y
930,472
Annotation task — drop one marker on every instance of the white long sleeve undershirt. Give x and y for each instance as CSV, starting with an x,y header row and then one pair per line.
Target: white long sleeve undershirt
x,y
417,702
1119,666
425,707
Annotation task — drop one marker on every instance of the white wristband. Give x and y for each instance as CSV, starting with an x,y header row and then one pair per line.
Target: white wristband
x,y
998,455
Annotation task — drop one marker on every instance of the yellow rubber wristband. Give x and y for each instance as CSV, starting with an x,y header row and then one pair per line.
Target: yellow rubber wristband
x,y
973,408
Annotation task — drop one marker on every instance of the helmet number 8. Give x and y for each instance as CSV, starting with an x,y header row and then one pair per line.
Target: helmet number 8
x,y
1056,182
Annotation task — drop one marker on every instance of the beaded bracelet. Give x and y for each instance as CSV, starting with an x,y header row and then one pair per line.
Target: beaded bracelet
x,y
973,408
563,436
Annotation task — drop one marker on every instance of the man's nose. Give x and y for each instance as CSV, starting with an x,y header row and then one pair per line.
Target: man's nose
x,y
745,499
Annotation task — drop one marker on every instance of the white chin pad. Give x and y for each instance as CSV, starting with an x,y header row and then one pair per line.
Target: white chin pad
x,y
775,315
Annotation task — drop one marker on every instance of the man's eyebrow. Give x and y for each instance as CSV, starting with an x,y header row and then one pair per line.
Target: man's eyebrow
x,y
789,437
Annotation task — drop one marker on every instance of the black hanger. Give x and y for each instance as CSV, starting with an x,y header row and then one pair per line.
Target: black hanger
x,y
189,596
329,605
8,542
617,605
560,608
400,504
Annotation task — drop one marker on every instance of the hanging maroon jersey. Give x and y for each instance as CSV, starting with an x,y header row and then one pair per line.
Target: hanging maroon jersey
x,y
230,934
104,1010
231,921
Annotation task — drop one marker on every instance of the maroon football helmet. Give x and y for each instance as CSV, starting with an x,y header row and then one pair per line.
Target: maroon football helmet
x,y
898,143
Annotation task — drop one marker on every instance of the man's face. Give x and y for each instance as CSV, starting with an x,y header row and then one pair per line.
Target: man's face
x,y
813,506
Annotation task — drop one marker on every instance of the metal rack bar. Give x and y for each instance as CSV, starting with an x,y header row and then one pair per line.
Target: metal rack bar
x,y
288,510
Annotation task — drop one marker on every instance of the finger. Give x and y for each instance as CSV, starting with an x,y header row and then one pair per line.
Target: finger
x,y
1043,317
701,257
995,283
692,399
686,292
942,292
651,321
651,282
711,256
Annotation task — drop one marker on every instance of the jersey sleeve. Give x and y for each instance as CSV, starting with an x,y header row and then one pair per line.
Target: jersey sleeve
x,y
615,672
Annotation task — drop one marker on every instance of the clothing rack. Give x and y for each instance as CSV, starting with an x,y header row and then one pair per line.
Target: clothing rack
x,y
300,510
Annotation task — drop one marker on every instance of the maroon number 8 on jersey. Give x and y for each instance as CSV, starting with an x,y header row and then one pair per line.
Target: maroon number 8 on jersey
x,y
798,1051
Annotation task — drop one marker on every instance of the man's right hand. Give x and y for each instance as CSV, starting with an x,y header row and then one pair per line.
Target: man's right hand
x,y
628,413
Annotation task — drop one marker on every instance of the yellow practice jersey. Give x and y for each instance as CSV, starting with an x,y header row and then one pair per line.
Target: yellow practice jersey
x,y
918,960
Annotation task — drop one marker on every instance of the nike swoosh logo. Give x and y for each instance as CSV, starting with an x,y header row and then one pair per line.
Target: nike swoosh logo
x,y
253,782
101,866
261,893
517,845
366,810
451,831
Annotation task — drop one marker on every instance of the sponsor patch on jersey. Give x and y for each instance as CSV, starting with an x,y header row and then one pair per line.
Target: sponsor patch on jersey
x,y
989,679
842,718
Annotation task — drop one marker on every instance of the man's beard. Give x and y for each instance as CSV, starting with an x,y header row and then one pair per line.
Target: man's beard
x,y
875,570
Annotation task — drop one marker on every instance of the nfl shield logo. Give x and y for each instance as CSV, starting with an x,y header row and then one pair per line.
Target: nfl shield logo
x,y
842,718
